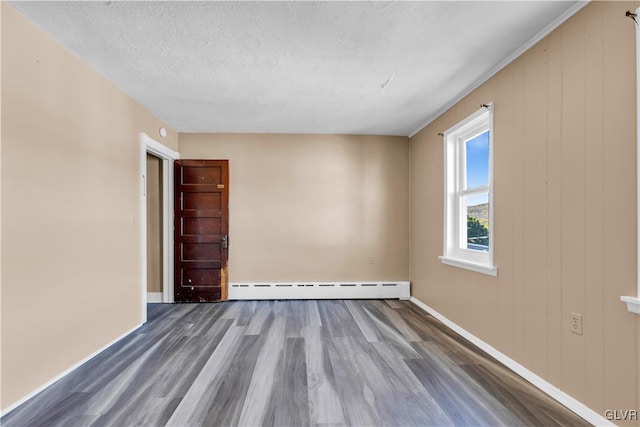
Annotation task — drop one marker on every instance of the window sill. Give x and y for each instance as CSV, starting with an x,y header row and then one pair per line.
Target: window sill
x,y
478,268
633,304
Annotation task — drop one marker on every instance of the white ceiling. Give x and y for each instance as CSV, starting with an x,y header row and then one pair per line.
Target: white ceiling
x,y
381,68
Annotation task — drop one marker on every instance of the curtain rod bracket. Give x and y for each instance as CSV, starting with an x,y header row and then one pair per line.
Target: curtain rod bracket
x,y
440,134
632,16
487,106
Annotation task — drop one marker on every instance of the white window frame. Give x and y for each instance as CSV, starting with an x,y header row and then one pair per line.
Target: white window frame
x,y
633,301
455,252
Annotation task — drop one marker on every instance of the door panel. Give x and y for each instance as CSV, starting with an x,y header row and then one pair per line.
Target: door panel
x,y
202,176
201,229
201,201
201,226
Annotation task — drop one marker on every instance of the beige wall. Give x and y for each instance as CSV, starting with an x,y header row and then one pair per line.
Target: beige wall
x,y
313,207
565,213
70,208
154,224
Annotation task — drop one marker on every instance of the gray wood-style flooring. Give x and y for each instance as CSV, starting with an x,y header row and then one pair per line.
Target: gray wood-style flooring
x,y
291,363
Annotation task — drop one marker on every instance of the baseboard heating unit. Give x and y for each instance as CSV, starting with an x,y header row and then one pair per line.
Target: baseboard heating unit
x,y
319,290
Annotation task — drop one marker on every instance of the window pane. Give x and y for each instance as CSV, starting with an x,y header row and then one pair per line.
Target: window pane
x,y
477,207
477,156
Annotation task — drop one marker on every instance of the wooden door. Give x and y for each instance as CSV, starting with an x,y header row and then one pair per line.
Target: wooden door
x,y
201,230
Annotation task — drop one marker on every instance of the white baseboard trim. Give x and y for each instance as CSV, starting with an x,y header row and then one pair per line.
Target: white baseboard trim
x,y
154,297
14,405
319,290
574,405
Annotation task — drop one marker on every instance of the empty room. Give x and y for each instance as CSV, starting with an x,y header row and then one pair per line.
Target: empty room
x,y
320,213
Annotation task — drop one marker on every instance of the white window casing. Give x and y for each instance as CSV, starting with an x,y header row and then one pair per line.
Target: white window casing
x,y
633,301
455,250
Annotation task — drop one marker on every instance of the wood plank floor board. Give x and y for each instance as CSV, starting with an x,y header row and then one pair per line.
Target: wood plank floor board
x,y
137,388
295,318
337,321
236,311
259,318
364,321
325,407
209,378
160,360
394,303
71,406
358,406
454,400
124,387
418,324
291,406
263,371
104,366
401,378
455,346
152,412
41,404
467,386
390,334
412,403
201,324
291,363
394,405
191,357
397,321
521,399
225,406
165,382
312,313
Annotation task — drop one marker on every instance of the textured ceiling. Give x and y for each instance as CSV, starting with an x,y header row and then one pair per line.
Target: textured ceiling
x,y
294,67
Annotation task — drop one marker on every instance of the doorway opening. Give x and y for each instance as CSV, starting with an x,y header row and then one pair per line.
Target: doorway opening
x,y
156,172
155,282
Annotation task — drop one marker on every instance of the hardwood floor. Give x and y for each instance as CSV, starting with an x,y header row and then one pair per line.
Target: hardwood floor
x,y
291,363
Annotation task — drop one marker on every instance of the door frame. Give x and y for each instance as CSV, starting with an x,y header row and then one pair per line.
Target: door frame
x,y
167,155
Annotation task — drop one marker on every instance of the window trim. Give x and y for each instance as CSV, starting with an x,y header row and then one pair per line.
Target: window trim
x,y
454,253
633,302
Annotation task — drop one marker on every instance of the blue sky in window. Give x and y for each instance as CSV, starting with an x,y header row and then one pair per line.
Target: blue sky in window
x,y
478,160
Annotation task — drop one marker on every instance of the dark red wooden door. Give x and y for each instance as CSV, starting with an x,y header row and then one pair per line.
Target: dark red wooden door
x,y
201,230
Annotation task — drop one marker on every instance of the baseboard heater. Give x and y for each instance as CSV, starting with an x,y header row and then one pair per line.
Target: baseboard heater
x,y
319,290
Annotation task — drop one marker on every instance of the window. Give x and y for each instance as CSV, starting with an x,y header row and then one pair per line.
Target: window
x,y
468,232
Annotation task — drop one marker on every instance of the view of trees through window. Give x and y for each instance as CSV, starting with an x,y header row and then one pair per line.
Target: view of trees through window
x,y
477,186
